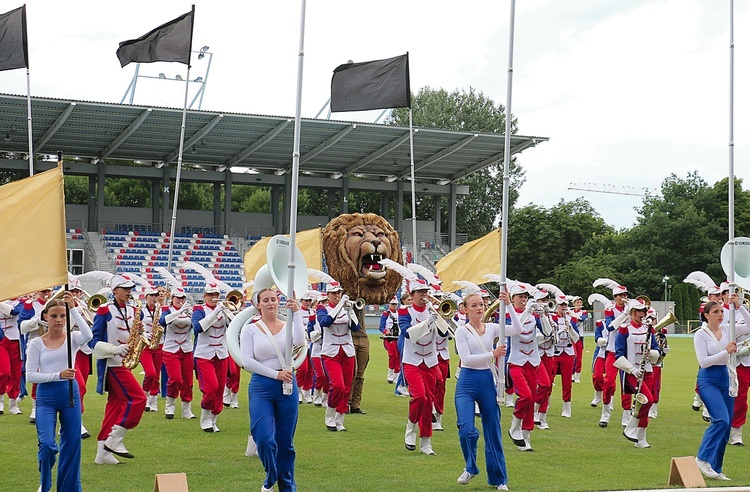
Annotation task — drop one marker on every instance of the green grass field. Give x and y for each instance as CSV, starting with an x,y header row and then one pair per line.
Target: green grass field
x,y
574,455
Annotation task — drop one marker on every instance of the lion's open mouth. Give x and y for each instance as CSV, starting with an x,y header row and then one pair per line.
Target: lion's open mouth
x,y
371,268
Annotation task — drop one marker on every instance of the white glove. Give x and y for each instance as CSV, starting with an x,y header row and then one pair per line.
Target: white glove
x,y
666,350
219,306
185,308
635,371
620,320
653,356
601,341
540,338
743,348
121,350
5,308
147,336
29,325
432,318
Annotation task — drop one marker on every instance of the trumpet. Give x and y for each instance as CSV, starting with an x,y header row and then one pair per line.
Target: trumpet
x,y
357,304
234,301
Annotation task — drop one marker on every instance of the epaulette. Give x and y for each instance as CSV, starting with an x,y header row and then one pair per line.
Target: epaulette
x,y
624,330
199,307
103,309
609,312
403,310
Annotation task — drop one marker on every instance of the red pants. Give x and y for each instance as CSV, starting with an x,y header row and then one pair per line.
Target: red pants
x,y
212,374
321,380
597,374
543,393
443,370
151,363
83,370
422,380
305,374
179,366
610,378
525,381
740,402
10,367
630,385
126,401
340,373
564,367
233,376
578,346
394,361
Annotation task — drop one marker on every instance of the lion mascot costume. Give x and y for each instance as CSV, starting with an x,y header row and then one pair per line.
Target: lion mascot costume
x,y
353,245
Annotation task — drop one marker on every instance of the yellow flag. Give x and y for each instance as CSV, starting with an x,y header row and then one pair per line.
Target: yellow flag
x,y
309,243
471,261
32,215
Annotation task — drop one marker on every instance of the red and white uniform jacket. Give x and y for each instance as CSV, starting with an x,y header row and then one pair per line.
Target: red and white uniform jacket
x,y
523,347
177,334
212,342
150,317
424,350
564,343
337,334
32,309
738,321
112,324
314,331
9,322
632,341
610,313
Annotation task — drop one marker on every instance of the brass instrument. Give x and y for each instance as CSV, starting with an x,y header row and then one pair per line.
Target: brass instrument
x,y
490,311
640,398
93,302
157,330
661,338
136,341
645,300
446,308
234,301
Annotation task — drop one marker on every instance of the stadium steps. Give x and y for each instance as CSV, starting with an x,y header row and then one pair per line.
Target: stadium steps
x,y
102,260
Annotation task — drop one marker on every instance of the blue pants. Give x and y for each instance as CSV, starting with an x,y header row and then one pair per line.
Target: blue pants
x,y
476,385
52,399
713,388
273,420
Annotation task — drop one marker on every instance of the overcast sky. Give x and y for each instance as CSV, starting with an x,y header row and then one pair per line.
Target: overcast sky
x,y
627,92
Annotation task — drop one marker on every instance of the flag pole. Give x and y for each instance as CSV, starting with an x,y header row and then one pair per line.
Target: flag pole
x,y
506,182
179,171
28,112
295,186
731,279
413,187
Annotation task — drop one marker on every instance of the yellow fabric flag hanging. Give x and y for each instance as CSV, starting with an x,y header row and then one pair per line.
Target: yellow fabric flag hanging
x,y
309,243
471,261
34,259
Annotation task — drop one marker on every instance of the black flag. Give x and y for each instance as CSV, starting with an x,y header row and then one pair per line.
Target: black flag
x,y
169,42
377,84
14,48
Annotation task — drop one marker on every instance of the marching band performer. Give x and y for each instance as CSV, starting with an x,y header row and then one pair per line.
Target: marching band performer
x,y
210,321
739,416
321,385
460,318
615,315
656,366
305,372
47,365
402,387
273,412
231,385
547,363
523,363
151,359
564,359
635,350
337,353
581,315
11,358
479,373
443,372
176,318
126,401
389,329
28,324
418,332
597,367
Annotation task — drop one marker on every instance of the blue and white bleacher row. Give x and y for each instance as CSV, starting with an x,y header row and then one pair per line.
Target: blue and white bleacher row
x,y
140,252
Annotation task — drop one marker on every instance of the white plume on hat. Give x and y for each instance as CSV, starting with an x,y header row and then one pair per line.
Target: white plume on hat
x,y
405,272
467,287
170,279
552,289
700,280
606,282
207,275
424,272
319,276
599,297
100,275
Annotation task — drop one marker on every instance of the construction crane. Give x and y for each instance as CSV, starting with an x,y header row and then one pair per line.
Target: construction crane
x,y
614,189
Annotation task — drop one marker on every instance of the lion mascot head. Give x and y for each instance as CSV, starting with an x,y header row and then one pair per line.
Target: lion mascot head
x,y
353,245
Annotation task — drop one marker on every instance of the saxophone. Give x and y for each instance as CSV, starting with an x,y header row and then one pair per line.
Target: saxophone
x,y
136,341
157,330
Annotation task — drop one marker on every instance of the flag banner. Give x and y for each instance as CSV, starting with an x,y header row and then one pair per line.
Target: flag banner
x,y
378,84
471,261
309,243
170,42
14,48
35,259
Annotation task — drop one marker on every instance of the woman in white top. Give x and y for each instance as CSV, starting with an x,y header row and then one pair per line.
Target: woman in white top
x,y
48,364
713,348
478,351
273,414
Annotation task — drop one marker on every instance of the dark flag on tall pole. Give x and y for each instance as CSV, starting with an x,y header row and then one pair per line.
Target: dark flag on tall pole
x,y
377,84
169,42
14,47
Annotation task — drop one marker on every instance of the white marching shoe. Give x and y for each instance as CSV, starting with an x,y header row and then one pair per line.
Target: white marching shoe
x,y
330,419
425,446
706,416
187,411
152,403
227,396
509,400
104,457
2,404
410,436
84,432
567,409
625,417
213,423
515,432
697,402
391,376
339,420
537,420
597,399
252,448
169,408
640,434
32,415
465,477
606,414
437,421
653,412
577,377
325,399
735,436
706,469
631,429
206,422
114,442
317,398
527,441
233,401
307,396
13,407
543,425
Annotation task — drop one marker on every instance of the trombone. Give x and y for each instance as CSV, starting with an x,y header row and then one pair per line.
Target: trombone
x,y
445,310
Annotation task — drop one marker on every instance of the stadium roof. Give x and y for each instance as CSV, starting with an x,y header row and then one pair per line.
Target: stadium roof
x,y
95,132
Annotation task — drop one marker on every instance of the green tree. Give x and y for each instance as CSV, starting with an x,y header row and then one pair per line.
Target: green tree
x,y
127,192
476,213
695,303
76,189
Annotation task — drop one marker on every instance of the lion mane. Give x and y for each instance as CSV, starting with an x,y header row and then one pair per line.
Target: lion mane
x,y
351,244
